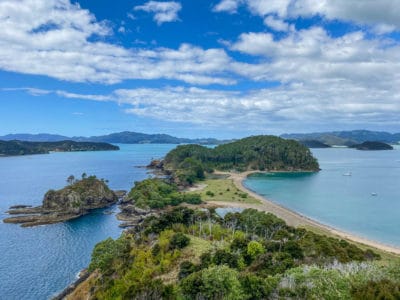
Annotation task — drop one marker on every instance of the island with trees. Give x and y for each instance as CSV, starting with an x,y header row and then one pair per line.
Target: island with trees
x,y
78,198
372,146
12,148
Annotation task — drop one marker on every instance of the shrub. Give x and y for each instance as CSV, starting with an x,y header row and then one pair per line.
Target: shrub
x,y
179,241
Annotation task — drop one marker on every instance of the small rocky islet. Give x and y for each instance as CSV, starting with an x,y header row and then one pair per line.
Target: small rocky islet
x,y
73,201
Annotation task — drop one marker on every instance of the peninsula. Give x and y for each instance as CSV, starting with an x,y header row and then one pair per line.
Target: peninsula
x,y
73,201
15,147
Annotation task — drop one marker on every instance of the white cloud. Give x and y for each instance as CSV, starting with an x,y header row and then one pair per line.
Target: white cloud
x,y
54,38
384,13
163,11
295,106
229,6
276,24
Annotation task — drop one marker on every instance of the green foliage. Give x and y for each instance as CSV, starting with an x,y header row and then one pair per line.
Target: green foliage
x,y
179,241
255,153
254,249
383,289
248,255
157,193
106,251
218,282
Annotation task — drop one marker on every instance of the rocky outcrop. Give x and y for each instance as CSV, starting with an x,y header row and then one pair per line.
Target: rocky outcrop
x,y
71,202
132,215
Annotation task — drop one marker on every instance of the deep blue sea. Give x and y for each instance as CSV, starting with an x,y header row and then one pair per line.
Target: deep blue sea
x,y
367,203
38,262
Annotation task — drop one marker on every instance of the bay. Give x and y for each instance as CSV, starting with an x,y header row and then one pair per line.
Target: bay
x,y
355,191
38,262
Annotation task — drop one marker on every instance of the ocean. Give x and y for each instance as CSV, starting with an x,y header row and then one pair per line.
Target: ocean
x,y
355,191
38,262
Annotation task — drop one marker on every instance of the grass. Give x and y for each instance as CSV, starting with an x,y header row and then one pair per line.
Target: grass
x,y
224,190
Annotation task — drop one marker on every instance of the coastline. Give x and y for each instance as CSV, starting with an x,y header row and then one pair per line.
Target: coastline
x,y
293,218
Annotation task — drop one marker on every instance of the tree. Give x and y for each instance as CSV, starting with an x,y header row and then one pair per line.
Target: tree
x,y
71,179
84,175
254,249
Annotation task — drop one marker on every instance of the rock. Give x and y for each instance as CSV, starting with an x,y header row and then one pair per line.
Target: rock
x,y
20,206
68,203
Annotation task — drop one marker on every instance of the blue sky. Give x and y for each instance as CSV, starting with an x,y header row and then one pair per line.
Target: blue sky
x,y
195,68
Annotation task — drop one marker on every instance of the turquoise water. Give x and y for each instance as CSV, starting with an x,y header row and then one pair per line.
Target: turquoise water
x,y
345,202
36,263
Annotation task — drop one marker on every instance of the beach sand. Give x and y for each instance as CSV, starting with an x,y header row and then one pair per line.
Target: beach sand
x,y
293,218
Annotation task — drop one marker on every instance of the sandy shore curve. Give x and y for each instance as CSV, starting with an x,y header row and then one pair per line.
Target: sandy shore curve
x,y
293,218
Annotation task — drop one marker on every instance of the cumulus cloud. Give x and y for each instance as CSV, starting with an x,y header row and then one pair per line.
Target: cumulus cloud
x,y
383,14
297,105
55,38
163,11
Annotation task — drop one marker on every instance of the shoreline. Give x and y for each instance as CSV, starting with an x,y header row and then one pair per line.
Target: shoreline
x,y
296,219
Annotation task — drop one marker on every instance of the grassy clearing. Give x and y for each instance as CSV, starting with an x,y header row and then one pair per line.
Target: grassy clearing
x,y
192,253
224,190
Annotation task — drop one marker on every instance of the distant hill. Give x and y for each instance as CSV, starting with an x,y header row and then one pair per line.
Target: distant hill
x,y
346,138
41,137
372,146
313,144
125,137
11,148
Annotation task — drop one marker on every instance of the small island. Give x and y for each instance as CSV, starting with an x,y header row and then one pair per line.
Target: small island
x,y
372,146
314,144
73,201
15,147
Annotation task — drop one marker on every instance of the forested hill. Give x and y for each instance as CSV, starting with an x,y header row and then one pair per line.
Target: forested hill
x,y
9,148
346,138
252,153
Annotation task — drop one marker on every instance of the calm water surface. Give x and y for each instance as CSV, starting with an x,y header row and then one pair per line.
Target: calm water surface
x,y
36,263
367,203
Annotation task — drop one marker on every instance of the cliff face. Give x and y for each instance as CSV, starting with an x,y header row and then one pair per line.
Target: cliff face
x,y
88,193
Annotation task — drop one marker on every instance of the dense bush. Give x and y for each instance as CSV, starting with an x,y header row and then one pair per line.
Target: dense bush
x,y
257,153
157,193
248,255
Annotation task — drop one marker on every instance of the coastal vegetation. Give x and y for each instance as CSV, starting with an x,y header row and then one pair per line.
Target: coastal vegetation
x,y
14,147
196,254
158,193
70,202
188,163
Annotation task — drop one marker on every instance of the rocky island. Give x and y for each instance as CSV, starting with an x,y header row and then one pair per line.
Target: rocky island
x,y
15,147
372,146
73,201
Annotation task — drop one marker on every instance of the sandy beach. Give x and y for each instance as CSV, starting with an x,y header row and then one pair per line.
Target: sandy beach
x,y
293,218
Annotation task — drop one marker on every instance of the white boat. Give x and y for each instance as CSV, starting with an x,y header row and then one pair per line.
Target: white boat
x,y
347,174
374,194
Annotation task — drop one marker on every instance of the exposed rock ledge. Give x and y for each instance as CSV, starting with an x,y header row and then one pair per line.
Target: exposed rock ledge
x,y
134,216
71,202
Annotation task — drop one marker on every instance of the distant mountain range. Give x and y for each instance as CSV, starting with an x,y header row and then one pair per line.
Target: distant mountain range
x,y
126,137
317,139
346,138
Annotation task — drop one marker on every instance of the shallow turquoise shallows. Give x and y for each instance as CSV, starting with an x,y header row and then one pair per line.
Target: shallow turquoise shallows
x,y
356,191
36,263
